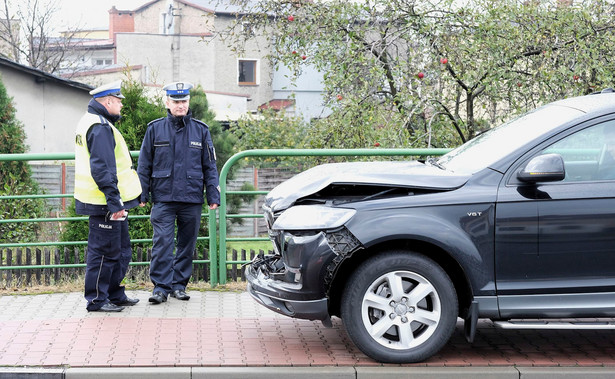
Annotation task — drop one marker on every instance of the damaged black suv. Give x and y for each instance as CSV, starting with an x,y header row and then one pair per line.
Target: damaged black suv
x,y
516,225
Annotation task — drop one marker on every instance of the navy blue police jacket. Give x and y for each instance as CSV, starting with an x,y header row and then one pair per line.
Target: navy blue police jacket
x,y
178,161
101,145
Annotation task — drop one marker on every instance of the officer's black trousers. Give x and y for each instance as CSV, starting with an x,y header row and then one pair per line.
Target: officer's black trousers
x,y
171,272
109,254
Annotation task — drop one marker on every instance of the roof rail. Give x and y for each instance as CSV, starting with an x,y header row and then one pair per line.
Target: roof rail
x,y
606,90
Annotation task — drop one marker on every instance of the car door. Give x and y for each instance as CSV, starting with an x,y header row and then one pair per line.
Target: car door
x,y
555,241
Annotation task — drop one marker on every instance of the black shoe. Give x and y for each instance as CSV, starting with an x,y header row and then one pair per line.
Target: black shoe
x,y
180,295
157,298
108,307
128,302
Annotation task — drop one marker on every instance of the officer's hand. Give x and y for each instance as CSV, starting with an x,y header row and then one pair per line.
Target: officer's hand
x,y
119,215
213,206
141,205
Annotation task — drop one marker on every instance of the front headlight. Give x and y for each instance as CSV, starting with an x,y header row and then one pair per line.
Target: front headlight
x,y
306,217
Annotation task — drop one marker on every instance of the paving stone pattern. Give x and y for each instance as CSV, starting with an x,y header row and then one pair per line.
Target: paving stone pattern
x,y
227,329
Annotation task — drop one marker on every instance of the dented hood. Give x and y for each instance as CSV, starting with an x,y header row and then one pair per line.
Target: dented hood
x,y
412,174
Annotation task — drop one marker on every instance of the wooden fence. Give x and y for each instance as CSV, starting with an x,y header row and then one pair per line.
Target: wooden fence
x,y
138,270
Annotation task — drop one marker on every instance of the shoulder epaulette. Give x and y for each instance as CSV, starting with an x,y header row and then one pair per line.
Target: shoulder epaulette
x,y
103,121
158,119
200,122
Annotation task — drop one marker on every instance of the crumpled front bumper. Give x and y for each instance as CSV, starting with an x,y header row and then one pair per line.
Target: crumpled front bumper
x,y
292,283
304,309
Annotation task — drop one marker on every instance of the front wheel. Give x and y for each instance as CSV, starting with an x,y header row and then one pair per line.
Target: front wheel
x,y
399,307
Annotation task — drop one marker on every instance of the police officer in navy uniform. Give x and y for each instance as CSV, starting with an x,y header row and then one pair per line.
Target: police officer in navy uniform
x,y
106,186
176,163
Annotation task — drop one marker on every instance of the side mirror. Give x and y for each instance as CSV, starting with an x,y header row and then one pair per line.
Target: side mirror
x,y
543,168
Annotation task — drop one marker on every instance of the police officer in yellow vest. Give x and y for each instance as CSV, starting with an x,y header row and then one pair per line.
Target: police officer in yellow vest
x,y
106,186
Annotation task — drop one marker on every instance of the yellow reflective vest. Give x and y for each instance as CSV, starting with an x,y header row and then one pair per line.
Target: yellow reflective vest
x,y
86,189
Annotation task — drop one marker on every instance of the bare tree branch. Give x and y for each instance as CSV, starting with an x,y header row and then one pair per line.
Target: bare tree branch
x,y
26,28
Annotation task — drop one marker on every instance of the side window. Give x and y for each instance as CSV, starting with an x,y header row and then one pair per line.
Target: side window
x,y
588,154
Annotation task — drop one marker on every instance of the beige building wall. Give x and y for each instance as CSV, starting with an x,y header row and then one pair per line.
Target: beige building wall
x,y
227,64
155,53
191,20
201,61
193,53
186,19
48,110
100,77
87,33
148,19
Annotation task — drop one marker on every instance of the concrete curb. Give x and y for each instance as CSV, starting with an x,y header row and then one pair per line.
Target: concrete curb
x,y
310,372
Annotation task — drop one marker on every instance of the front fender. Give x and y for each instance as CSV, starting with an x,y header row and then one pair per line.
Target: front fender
x,y
465,232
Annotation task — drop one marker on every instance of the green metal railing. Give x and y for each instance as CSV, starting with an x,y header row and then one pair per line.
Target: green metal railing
x,y
218,256
213,267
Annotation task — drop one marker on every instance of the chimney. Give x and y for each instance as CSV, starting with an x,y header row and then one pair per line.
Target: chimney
x,y
120,22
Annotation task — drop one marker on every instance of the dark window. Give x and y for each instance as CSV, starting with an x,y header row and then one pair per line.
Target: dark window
x,y
102,62
247,72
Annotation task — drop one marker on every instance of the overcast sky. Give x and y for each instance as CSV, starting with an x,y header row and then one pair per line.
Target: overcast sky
x,y
90,13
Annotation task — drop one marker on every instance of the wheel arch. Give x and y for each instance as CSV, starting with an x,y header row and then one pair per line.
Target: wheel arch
x,y
434,252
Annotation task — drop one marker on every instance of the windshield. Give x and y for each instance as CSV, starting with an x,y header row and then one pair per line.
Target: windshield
x,y
495,144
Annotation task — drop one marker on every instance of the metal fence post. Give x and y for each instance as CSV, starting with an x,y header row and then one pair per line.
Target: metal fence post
x,y
213,249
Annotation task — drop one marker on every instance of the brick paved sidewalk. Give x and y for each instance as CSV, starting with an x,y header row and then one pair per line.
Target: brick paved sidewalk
x,y
224,329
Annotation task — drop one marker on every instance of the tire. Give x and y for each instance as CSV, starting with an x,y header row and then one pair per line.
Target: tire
x,y
399,307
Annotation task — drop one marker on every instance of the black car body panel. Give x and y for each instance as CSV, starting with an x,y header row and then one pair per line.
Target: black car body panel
x,y
514,242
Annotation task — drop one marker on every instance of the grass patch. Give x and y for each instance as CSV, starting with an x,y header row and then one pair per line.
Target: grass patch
x,y
248,245
77,286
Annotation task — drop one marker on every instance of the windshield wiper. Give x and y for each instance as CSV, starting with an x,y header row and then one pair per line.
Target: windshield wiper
x,y
434,162
378,194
